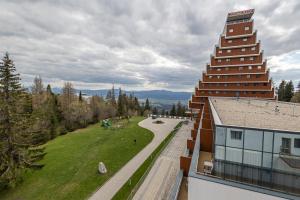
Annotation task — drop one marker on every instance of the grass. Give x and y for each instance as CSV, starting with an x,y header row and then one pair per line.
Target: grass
x,y
131,186
71,162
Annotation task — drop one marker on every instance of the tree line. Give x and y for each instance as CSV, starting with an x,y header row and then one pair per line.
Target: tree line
x,y
286,92
176,110
29,118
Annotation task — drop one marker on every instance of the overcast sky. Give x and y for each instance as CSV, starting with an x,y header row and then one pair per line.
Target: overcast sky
x,y
139,45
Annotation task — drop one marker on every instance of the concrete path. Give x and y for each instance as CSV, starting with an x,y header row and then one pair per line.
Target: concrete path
x,y
112,186
161,178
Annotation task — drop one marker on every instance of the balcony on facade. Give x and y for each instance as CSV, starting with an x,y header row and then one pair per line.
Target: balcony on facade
x,y
236,86
222,93
255,49
236,78
236,69
237,60
246,40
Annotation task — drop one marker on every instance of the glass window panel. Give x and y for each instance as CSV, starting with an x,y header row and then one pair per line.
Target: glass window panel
x,y
267,160
252,157
268,141
220,152
253,139
234,154
220,135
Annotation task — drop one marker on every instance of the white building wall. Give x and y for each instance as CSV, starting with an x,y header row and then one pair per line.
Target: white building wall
x,y
202,189
278,142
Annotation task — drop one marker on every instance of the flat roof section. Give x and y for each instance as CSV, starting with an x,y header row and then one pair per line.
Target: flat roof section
x,y
256,113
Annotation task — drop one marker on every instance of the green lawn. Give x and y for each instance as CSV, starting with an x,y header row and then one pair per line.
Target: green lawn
x,y
71,170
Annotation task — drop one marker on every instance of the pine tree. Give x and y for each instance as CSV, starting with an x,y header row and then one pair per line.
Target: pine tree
x,y
281,90
120,103
163,112
289,91
14,122
173,110
80,97
113,97
179,109
154,111
147,105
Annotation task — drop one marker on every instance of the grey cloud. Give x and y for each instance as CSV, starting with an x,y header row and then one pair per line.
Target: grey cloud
x,y
123,42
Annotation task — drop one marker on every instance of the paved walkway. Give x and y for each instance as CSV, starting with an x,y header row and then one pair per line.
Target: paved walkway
x,y
161,178
112,186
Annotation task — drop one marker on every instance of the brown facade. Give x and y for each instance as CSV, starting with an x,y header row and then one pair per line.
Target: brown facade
x,y
237,69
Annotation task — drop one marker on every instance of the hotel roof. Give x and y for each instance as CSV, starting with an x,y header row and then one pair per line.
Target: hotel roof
x,y
256,113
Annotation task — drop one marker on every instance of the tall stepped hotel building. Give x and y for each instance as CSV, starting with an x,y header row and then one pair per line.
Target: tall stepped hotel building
x,y
244,143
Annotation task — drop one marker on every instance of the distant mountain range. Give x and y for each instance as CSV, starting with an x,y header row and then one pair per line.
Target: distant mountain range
x,y
160,98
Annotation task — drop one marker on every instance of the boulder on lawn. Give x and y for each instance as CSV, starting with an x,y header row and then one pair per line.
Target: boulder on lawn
x,y
102,168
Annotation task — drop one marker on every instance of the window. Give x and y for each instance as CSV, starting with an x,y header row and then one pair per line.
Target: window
x,y
228,51
245,39
242,59
218,77
249,67
258,67
230,30
253,48
236,135
240,68
248,76
210,77
225,85
247,28
226,68
229,41
297,143
257,75
251,58
219,69
219,60
243,49
220,51
228,59
217,92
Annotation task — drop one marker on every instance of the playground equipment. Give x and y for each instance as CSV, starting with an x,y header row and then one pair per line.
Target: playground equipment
x,y
106,123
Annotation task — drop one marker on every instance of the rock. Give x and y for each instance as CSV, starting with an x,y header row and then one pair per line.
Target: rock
x,y
102,168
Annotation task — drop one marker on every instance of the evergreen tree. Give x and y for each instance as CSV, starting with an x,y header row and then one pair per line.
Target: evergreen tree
x,y
14,122
173,110
289,91
163,112
179,109
113,97
120,103
281,91
137,106
154,111
147,105
80,97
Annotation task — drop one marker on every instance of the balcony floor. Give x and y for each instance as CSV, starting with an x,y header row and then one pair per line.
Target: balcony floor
x,y
203,156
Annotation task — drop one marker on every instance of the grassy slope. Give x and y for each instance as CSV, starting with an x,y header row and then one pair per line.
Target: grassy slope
x,y
72,162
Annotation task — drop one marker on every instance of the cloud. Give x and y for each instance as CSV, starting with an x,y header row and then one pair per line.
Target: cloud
x,y
137,44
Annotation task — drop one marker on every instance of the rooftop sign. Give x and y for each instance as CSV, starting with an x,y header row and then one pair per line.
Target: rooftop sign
x,y
244,14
